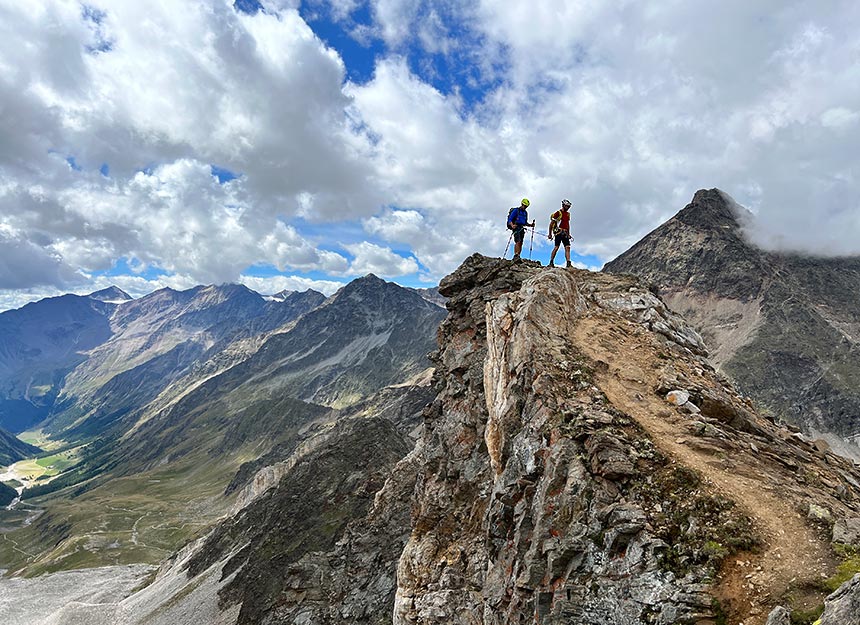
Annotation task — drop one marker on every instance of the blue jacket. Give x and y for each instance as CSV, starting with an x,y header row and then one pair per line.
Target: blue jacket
x,y
518,216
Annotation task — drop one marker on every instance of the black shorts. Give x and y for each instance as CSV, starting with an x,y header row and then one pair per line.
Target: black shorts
x,y
562,238
519,234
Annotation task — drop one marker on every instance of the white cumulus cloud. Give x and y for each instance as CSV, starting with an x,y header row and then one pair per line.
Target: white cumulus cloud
x,y
624,108
370,258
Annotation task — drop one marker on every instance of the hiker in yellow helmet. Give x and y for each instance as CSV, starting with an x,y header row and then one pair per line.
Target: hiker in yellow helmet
x,y
518,221
559,228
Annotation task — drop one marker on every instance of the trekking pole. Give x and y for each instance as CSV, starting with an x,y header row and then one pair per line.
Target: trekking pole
x,y
531,242
509,244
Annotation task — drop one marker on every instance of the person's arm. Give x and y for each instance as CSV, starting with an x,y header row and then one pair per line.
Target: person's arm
x,y
529,225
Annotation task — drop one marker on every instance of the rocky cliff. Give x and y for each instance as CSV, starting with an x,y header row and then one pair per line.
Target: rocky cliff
x,y
785,327
560,485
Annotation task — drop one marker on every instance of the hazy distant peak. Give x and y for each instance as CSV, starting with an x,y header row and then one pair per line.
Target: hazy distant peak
x,y
280,296
308,293
287,296
112,294
432,295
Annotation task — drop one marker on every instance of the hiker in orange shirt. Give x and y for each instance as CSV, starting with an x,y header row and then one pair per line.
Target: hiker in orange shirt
x,y
559,227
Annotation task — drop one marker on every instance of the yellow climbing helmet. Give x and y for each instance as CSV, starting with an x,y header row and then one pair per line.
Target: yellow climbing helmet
x,y
525,202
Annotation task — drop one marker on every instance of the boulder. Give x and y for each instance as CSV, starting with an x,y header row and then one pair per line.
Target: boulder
x,y
843,606
678,397
847,531
779,616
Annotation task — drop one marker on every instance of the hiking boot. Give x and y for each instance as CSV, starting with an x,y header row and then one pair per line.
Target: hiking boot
x,y
551,264
568,264
516,257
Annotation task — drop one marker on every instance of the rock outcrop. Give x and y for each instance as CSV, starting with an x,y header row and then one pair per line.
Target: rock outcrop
x,y
843,606
558,484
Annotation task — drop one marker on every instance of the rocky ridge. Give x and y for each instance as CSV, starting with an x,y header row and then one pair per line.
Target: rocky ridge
x,y
559,485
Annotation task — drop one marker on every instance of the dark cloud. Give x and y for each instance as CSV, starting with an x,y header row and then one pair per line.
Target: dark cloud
x,y
24,264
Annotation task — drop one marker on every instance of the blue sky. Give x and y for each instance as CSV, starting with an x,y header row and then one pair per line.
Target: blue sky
x,y
301,143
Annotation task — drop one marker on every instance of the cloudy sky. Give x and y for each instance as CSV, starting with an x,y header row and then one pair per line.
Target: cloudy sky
x,y
301,143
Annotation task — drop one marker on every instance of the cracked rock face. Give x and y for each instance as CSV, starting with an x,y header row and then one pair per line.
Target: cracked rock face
x,y
527,506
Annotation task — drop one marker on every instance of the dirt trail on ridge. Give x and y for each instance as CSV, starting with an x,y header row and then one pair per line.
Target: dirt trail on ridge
x,y
794,557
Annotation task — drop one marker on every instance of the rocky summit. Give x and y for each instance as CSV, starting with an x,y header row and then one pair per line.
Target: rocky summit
x,y
584,463
784,326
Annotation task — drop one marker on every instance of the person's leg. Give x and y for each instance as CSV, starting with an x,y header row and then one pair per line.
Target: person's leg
x,y
559,240
552,256
519,237
567,253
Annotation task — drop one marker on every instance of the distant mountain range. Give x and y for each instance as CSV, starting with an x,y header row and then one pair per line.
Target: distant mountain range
x,y
784,326
183,392
57,355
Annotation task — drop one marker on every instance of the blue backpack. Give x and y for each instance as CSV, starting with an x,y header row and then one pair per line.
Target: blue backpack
x,y
517,216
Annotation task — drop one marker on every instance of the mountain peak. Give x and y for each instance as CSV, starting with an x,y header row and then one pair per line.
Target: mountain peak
x,y
367,284
281,295
111,294
712,208
775,321
702,248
